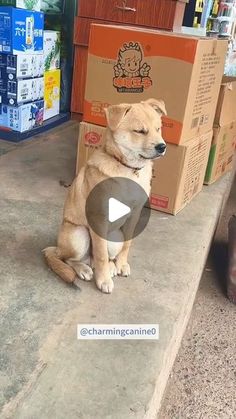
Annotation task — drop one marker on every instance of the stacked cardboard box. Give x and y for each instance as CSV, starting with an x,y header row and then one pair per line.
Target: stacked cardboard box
x,y
21,68
133,64
52,74
224,132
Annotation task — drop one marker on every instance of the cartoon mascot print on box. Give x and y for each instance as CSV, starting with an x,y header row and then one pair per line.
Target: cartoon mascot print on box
x,y
131,73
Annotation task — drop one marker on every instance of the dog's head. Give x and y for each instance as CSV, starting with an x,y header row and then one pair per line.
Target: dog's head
x,y
136,129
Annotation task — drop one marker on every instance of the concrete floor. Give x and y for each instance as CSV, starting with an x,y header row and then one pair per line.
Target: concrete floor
x,y
44,370
203,381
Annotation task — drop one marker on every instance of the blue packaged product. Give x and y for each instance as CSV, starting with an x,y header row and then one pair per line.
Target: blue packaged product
x,y
25,117
21,31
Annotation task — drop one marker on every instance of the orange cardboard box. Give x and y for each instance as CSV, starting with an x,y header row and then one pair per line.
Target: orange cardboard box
x,y
127,64
177,177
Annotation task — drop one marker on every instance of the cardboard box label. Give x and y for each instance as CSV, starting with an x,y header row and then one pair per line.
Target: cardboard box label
x,y
131,72
206,83
92,138
195,170
158,201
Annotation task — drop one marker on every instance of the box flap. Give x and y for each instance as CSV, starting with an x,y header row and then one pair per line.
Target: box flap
x,y
153,31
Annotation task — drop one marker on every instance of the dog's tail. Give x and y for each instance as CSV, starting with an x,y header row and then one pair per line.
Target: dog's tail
x,y
54,260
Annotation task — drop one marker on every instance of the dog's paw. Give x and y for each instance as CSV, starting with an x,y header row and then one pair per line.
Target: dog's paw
x,y
123,269
113,270
105,286
83,271
87,274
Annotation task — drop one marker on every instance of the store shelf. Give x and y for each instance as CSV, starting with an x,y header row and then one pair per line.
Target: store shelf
x,y
16,137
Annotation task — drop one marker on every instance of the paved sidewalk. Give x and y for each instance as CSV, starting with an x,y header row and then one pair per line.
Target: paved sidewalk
x,y
203,380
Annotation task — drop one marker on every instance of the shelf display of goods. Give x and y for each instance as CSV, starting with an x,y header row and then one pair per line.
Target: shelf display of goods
x,y
52,6
230,65
222,24
35,65
222,18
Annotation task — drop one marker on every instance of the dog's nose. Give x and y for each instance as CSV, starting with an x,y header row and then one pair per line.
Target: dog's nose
x,y
160,148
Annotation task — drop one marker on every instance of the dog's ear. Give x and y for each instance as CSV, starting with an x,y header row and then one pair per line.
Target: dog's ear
x,y
115,114
158,105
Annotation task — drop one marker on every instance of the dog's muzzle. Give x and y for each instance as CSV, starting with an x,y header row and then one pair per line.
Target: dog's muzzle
x,y
160,149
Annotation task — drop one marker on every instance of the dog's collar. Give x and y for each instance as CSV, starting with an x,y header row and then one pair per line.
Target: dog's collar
x,y
134,169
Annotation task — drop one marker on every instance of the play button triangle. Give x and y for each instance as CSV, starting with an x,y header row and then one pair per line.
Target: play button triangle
x,y
117,210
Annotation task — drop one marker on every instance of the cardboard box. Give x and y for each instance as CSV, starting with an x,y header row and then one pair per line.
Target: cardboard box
x,y
128,64
22,66
226,107
22,4
52,93
91,137
177,177
221,153
21,31
22,118
15,92
51,50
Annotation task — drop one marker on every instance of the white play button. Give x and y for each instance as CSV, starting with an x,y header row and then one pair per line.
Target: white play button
x,y
117,210
111,205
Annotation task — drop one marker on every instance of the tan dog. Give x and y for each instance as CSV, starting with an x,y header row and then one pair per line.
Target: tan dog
x,y
133,141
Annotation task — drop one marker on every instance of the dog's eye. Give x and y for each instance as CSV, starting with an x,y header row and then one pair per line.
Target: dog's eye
x,y
141,131
158,129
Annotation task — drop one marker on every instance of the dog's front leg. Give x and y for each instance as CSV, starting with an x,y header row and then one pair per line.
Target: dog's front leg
x,y
122,265
101,263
